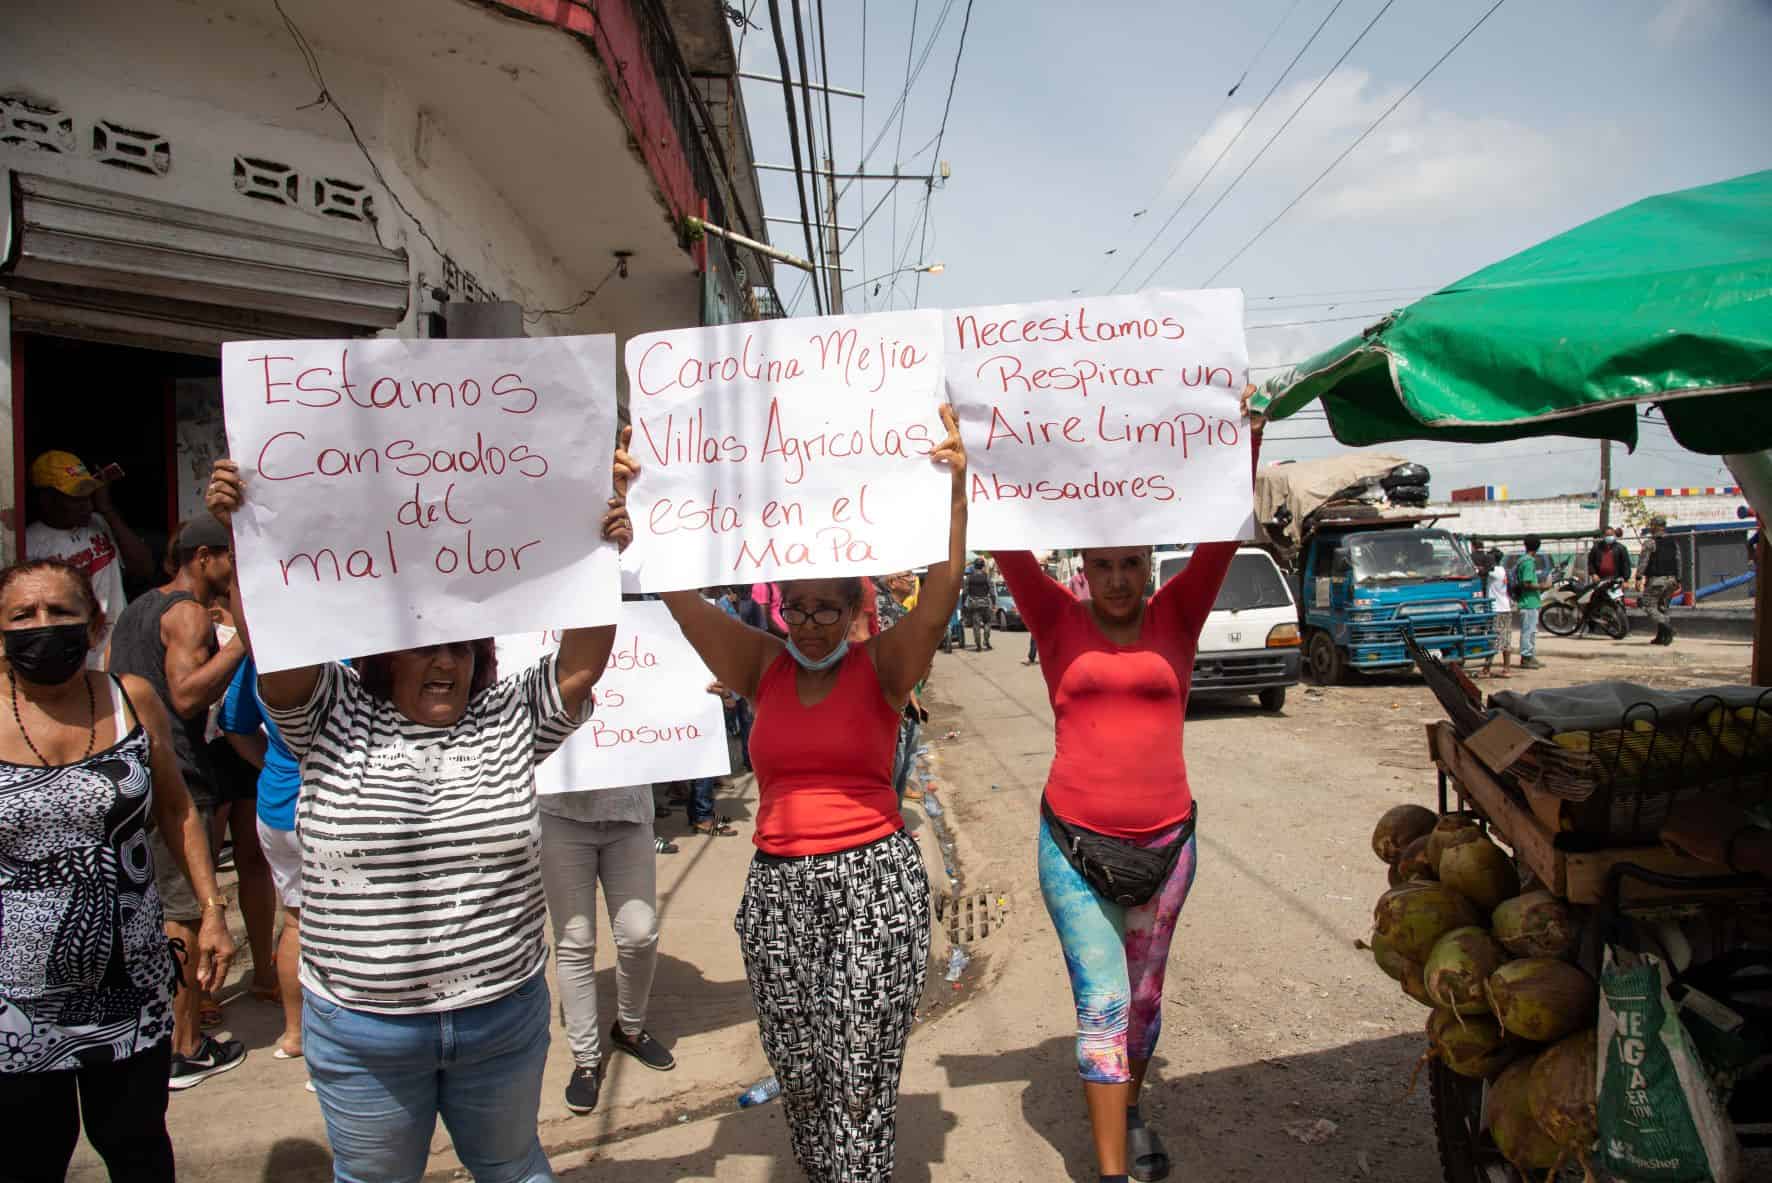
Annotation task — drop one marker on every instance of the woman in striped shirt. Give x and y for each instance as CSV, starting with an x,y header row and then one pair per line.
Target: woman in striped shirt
x,y
423,940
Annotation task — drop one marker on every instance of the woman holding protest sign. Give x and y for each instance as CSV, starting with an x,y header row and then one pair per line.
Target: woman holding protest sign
x,y
1116,843
422,932
86,974
834,923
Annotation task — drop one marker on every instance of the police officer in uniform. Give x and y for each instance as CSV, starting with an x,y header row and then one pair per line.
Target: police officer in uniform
x,y
1658,573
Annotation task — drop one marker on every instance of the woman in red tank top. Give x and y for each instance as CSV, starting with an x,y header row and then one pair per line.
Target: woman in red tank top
x,y
834,923
1117,668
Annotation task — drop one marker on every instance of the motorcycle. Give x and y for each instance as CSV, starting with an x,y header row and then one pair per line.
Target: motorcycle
x,y
1569,609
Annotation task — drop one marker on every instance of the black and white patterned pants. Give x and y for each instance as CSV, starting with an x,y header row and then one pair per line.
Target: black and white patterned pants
x,y
836,947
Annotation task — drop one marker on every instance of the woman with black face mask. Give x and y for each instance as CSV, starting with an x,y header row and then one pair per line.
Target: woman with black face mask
x,y
86,976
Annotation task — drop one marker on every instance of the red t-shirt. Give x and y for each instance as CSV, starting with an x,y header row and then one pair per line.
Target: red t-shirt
x,y
1118,768
824,773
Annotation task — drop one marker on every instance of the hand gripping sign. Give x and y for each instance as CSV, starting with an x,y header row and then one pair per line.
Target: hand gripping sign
x,y
786,449
654,719
410,492
1103,422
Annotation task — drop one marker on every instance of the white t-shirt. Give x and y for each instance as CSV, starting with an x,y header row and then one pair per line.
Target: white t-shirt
x,y
93,549
1498,598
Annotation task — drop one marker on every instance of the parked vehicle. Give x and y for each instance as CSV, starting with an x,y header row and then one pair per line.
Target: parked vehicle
x,y
1570,608
1250,641
1008,615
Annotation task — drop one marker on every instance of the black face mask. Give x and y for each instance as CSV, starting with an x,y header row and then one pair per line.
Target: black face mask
x,y
47,656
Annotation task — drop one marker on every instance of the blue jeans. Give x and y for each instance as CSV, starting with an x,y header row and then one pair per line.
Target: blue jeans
x,y
701,800
383,1080
1528,633
904,760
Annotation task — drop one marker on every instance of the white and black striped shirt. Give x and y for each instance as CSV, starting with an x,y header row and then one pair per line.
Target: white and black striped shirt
x,y
421,846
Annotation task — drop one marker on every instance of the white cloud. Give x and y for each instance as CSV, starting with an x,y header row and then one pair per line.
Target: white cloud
x,y
1424,163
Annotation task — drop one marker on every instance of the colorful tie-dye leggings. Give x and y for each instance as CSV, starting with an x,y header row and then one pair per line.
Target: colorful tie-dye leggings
x,y
1116,956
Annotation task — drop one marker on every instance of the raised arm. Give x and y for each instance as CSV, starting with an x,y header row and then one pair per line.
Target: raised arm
x,y
197,673
1038,597
584,652
285,688
903,652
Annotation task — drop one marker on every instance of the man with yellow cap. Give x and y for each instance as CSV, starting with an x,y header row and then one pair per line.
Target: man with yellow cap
x,y
76,522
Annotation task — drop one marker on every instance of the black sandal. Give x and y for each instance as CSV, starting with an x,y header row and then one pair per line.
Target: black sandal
x,y
1147,1160
717,828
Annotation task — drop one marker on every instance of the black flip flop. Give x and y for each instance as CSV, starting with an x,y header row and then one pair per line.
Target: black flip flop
x,y
1147,1160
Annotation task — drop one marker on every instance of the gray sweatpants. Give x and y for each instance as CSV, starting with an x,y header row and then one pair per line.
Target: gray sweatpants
x,y
575,857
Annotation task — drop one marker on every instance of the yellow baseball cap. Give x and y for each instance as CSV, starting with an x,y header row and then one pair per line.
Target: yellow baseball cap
x,y
65,473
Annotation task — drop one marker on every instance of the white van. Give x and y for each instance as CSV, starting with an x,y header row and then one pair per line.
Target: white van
x,y
1250,642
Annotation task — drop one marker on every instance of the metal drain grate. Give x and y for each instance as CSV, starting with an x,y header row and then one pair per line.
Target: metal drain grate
x,y
972,917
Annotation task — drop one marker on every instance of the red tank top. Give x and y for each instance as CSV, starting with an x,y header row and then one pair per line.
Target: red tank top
x,y
824,773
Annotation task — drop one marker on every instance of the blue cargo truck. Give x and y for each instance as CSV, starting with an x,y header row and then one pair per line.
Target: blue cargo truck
x,y
1364,579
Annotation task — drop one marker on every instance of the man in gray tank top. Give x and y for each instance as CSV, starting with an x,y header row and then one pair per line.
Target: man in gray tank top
x,y
167,638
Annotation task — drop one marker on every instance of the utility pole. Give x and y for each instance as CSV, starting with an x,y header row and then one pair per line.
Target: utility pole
x,y
1605,485
835,275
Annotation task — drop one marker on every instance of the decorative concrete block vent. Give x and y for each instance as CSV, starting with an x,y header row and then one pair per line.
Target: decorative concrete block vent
x,y
125,147
343,199
266,180
24,124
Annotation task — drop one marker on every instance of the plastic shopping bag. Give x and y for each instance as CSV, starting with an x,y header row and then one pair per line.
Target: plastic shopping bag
x,y
1660,1121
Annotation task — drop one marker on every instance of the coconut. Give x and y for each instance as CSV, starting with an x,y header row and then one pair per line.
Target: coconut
x,y
1412,917
1458,967
1560,1092
1541,998
1536,924
1473,1046
1400,825
1508,1115
1389,960
1448,832
1412,983
1413,864
1481,872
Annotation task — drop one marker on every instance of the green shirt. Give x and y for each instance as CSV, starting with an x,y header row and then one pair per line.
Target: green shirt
x,y
1529,578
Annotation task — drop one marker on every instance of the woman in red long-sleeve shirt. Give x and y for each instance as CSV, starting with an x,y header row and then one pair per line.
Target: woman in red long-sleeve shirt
x,y
1117,667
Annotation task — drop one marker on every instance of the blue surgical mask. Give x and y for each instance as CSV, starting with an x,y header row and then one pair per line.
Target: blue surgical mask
x,y
824,663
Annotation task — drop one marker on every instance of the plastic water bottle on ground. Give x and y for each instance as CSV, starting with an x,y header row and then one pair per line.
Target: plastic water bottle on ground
x,y
760,1093
958,960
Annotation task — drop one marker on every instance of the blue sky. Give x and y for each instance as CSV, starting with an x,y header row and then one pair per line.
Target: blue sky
x,y
1067,118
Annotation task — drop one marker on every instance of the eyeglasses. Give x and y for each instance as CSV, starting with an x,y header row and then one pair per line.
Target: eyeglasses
x,y
824,615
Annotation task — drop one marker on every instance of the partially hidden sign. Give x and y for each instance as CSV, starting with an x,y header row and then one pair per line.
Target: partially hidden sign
x,y
654,719
786,449
411,492
1103,422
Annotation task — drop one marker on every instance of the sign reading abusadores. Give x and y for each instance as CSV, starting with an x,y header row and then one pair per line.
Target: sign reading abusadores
x,y
786,449
411,492
1103,422
654,720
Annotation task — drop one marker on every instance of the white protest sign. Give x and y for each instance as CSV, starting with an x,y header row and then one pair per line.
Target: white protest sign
x,y
410,492
1103,422
655,719
786,449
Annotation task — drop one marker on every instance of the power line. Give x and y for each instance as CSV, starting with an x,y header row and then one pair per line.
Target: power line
x,y
830,147
1278,132
1362,139
910,45
941,134
811,143
1370,317
1176,213
903,97
787,91
1182,159
861,133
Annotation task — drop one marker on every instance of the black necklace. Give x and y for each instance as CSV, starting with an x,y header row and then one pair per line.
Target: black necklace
x,y
91,730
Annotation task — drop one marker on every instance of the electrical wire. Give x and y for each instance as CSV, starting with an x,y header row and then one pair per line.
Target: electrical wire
x,y
904,96
787,90
582,302
1225,151
941,134
1271,140
861,133
834,278
818,260
1369,317
1373,126
1182,159
910,46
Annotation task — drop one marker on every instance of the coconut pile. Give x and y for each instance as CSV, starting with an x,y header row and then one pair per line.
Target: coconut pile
x,y
1495,965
